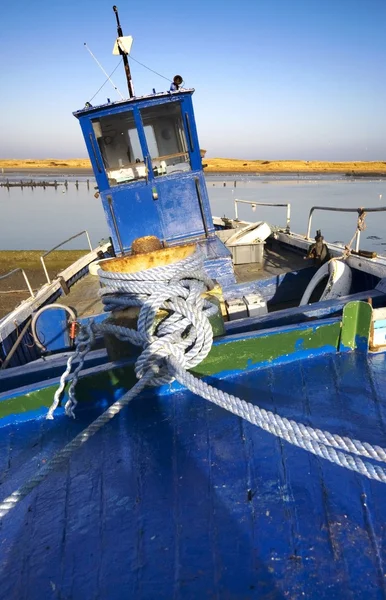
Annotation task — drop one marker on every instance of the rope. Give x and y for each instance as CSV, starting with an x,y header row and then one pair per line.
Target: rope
x,y
85,341
361,226
185,331
103,84
321,443
179,341
149,69
181,297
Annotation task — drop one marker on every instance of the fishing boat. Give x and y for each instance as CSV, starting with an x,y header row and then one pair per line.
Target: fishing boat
x,y
196,407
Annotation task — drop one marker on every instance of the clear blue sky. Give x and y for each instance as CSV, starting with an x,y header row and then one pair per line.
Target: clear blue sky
x,y
273,79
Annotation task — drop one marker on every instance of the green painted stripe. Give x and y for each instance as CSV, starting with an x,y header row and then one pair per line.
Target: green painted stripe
x,y
224,357
356,325
266,348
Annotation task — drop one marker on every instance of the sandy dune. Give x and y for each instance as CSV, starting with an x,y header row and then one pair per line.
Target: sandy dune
x,y
46,163
214,165
291,166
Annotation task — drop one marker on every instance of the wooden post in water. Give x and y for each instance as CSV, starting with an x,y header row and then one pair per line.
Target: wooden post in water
x,y
77,184
66,184
44,185
56,184
88,184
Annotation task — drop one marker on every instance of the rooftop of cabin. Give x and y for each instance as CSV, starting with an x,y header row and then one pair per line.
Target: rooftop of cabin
x,y
149,99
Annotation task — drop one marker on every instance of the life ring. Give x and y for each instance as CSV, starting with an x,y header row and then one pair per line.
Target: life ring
x,y
339,277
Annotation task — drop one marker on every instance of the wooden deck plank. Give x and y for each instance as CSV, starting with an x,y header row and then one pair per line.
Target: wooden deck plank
x,y
178,498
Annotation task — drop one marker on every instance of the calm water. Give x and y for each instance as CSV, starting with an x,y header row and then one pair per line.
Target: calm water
x,y
40,219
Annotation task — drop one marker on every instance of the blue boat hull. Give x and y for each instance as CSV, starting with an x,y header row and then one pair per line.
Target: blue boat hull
x,y
176,498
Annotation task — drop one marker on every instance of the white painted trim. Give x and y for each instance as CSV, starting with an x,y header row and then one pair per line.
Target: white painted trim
x,y
13,320
374,266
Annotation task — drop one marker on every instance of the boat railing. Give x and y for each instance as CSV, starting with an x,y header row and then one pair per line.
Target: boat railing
x,y
360,212
18,270
59,246
254,204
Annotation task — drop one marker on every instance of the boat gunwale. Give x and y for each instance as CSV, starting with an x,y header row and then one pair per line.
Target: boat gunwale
x,y
14,319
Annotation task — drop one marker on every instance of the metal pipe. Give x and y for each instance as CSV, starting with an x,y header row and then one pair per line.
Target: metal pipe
x,y
62,244
45,269
95,154
189,132
25,277
88,239
287,205
359,211
288,224
35,317
357,240
198,191
110,201
12,351
124,56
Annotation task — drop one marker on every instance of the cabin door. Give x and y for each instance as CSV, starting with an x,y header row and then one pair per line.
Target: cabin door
x,y
127,198
176,189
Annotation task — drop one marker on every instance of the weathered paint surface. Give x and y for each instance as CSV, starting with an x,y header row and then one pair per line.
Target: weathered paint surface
x,y
378,330
356,324
269,345
300,314
176,498
228,355
181,209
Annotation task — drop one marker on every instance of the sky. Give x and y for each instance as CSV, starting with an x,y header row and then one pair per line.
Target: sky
x,y
279,79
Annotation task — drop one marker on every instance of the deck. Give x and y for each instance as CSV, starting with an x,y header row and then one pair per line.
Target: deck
x,y
176,498
84,298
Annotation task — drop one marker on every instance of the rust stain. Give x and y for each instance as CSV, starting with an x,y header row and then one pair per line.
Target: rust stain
x,y
140,262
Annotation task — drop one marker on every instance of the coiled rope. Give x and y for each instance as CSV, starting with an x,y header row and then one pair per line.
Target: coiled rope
x,y
180,341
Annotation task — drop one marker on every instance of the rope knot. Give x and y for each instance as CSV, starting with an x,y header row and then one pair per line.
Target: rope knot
x,y
173,321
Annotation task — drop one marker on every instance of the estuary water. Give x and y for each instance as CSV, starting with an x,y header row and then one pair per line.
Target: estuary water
x,y
38,219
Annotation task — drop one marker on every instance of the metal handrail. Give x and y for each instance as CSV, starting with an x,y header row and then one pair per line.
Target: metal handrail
x,y
288,206
25,277
359,211
59,246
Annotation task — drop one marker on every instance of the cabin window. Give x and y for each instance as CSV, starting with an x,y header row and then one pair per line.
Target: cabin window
x,y
165,137
119,144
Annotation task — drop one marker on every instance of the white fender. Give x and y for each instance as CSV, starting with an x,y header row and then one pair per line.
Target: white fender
x,y
338,275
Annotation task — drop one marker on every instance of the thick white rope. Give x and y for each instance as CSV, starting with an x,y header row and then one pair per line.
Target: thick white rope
x,y
179,342
320,443
84,344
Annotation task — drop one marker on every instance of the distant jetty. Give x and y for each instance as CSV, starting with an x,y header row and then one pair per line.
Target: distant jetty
x,y
41,183
364,174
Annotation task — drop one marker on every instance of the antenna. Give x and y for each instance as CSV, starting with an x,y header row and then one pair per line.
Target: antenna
x,y
102,69
124,55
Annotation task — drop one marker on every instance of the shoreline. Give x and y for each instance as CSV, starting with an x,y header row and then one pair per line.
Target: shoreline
x,y
212,166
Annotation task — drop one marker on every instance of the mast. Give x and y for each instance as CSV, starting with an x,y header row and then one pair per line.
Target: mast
x,y
124,56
